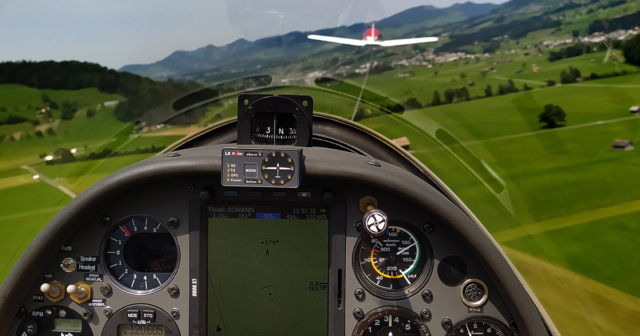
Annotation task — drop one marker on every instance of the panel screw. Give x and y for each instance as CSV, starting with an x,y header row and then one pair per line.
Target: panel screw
x,y
107,311
106,221
105,289
87,314
359,293
175,313
427,296
358,226
22,312
428,228
173,223
513,325
446,324
425,314
358,313
190,188
204,195
173,290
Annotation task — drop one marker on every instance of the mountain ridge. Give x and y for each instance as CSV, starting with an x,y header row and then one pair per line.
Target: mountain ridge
x,y
241,52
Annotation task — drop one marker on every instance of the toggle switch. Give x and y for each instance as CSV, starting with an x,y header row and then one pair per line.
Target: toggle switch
x,y
79,292
53,291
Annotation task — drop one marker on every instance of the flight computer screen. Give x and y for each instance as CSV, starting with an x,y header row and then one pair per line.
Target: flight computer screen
x,y
267,270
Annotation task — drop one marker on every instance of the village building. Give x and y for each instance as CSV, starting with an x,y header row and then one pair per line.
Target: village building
x,y
634,109
622,145
403,142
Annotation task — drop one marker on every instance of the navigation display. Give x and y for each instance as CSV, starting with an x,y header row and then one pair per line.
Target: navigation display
x,y
267,270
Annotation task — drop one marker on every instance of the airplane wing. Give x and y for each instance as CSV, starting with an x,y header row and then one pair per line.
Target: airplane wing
x,y
391,43
340,40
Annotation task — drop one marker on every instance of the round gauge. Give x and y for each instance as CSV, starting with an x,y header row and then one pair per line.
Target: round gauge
x,y
481,325
140,254
391,321
277,168
270,128
393,265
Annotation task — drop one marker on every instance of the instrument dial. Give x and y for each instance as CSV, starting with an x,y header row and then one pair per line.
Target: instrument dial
x,y
483,325
140,254
394,264
269,128
391,321
277,168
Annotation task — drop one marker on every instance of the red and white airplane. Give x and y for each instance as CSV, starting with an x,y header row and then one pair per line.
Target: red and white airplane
x,y
372,37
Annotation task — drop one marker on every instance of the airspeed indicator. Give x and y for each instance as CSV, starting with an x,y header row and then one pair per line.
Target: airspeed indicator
x,y
393,262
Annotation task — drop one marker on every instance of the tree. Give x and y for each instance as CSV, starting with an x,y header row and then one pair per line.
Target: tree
x,y
552,116
575,33
412,104
3,109
449,95
53,105
51,131
436,99
45,98
493,46
462,93
91,112
526,87
631,50
435,73
69,110
39,134
570,76
488,91
550,82
463,75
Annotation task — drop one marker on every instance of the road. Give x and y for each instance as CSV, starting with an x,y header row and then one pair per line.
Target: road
x,y
50,181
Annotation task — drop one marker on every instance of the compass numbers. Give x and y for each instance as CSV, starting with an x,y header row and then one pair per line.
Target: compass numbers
x,y
481,325
392,321
270,128
140,254
277,168
393,262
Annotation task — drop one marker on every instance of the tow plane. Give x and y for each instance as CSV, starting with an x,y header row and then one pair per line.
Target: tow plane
x,y
372,37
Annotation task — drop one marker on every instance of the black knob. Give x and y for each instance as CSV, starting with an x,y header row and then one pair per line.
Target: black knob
x,y
31,328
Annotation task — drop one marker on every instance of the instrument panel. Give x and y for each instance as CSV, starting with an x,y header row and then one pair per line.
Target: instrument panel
x,y
184,255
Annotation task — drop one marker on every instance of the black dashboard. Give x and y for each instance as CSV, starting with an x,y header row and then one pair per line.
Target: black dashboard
x,y
353,246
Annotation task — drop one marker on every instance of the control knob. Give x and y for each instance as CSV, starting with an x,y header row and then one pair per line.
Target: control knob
x,y
375,222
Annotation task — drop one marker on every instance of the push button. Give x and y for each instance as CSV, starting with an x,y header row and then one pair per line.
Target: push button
x,y
149,315
250,170
133,314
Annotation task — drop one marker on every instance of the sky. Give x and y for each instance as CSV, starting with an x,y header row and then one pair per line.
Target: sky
x,y
115,33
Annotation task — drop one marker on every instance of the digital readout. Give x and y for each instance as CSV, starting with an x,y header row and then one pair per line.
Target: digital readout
x,y
140,329
67,325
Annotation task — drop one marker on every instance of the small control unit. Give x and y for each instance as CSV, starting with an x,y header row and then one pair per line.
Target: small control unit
x,y
256,167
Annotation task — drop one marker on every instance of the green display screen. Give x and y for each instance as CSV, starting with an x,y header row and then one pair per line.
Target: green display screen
x,y
67,325
267,272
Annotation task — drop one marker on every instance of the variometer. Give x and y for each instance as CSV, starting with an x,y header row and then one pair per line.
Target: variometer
x,y
140,254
